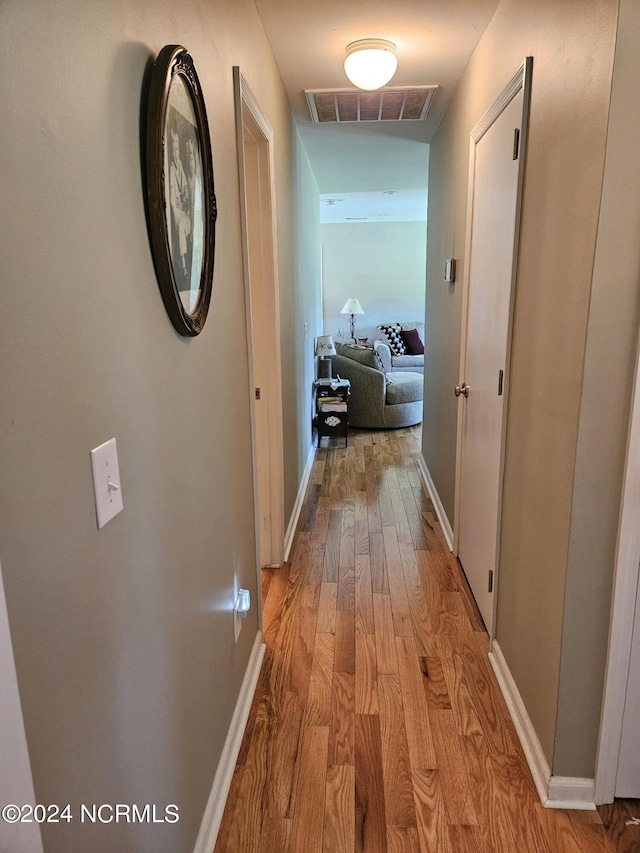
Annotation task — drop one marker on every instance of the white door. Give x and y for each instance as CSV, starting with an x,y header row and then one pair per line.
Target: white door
x,y
618,765
495,178
263,322
16,783
627,783
628,778
253,155
627,585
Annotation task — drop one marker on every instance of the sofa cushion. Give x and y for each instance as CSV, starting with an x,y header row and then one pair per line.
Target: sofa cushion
x,y
406,388
365,355
392,336
407,361
412,343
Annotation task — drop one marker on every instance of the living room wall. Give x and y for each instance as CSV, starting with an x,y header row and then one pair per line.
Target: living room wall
x,y
383,264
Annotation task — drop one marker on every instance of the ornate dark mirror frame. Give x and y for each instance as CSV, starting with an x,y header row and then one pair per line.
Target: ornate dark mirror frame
x,y
181,201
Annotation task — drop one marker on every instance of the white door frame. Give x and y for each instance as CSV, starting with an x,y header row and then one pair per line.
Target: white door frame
x,y
251,123
16,782
520,80
625,583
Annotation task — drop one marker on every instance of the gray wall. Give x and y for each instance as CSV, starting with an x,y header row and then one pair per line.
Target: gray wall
x,y
123,639
300,304
573,47
604,416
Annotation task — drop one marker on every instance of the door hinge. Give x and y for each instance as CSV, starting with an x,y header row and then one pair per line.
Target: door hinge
x,y
257,393
500,382
516,143
490,580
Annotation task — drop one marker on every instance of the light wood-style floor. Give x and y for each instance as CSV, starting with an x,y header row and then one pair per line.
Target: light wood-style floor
x,y
622,822
377,723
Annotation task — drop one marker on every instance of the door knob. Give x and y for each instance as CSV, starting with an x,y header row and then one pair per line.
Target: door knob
x,y
462,389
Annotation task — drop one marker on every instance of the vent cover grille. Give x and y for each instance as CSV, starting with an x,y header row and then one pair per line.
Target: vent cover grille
x,y
408,103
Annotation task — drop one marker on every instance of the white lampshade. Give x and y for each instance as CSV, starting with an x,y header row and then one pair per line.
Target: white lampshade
x,y
352,306
325,346
370,63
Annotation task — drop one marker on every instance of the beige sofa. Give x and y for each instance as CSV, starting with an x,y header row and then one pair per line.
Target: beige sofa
x,y
400,363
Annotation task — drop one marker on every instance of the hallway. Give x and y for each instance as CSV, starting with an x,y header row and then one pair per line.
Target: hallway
x,y
377,723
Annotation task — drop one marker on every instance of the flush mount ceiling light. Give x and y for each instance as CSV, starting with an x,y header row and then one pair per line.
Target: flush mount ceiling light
x,y
370,63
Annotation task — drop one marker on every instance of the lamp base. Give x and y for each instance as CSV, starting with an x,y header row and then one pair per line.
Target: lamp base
x,y
324,368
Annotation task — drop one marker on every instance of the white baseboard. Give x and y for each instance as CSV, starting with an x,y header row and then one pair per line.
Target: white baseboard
x,y
297,507
528,738
555,792
431,490
570,792
212,818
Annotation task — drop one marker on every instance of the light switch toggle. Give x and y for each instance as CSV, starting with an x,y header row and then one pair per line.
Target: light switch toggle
x,y
113,487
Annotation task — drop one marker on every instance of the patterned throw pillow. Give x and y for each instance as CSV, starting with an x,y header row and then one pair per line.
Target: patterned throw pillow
x,y
391,331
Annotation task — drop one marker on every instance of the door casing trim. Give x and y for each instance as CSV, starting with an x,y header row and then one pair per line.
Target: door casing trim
x,y
246,106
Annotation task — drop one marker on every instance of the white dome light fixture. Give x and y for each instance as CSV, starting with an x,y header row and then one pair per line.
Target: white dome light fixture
x,y
370,63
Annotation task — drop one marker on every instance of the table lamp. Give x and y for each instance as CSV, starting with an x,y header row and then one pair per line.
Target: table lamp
x,y
324,349
352,306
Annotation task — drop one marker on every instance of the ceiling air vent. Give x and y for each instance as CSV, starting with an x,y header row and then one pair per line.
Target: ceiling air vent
x,y
402,103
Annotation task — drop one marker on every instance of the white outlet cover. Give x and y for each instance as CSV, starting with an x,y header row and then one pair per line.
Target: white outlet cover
x,y
106,482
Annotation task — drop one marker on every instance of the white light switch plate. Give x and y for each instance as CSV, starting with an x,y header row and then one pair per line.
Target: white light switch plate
x,y
106,482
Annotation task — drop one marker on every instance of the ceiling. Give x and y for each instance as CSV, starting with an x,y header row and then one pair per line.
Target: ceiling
x,y
434,40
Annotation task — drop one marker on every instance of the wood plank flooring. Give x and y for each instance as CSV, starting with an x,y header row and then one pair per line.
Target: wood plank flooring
x,y
377,723
622,822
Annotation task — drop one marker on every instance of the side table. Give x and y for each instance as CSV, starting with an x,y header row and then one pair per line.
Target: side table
x,y
332,408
